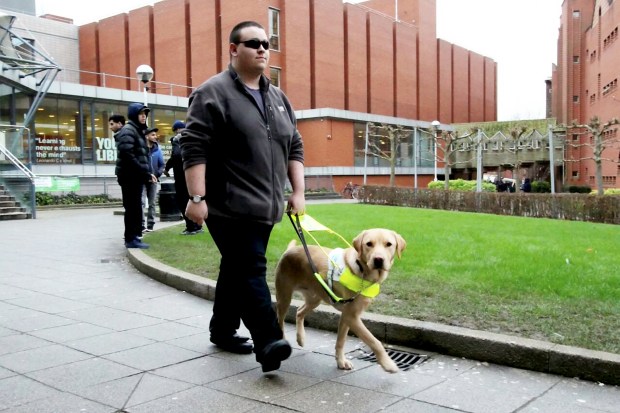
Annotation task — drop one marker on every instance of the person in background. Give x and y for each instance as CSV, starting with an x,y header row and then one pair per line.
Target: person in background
x,y
240,143
116,123
150,189
526,186
180,185
133,171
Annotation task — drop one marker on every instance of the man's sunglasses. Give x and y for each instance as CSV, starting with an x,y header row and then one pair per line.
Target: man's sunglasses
x,y
255,44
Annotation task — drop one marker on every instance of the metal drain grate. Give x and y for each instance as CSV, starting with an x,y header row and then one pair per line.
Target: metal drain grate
x,y
403,359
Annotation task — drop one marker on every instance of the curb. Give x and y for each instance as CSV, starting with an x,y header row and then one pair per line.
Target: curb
x,y
484,346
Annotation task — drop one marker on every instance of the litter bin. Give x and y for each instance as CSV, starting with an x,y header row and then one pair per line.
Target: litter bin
x,y
168,210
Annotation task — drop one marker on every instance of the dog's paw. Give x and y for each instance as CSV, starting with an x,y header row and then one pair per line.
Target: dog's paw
x,y
344,363
390,366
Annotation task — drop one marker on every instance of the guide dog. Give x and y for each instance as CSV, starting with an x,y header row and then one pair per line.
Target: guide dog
x,y
369,259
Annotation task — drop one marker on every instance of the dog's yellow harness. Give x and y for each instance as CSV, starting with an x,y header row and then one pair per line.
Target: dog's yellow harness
x,y
351,281
338,271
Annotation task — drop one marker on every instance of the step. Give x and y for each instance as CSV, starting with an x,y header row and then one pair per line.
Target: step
x,y
15,215
10,209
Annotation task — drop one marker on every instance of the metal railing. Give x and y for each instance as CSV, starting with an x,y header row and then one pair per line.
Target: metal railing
x,y
13,171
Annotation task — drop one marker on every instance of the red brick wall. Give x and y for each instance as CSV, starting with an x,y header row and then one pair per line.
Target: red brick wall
x,y
460,85
356,68
295,33
327,142
476,86
89,54
406,77
171,51
490,90
381,65
112,51
445,81
328,54
204,40
332,55
141,48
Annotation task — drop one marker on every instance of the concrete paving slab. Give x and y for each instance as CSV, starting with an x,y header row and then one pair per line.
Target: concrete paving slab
x,y
18,390
40,358
146,323
109,343
197,399
331,397
152,356
63,402
73,376
20,342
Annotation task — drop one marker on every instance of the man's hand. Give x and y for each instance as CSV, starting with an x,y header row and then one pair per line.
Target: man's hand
x,y
153,178
296,204
197,212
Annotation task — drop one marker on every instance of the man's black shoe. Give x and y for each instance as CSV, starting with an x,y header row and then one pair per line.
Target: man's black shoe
x,y
273,354
234,344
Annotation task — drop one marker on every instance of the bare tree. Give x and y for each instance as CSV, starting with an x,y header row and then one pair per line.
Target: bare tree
x,y
383,142
601,140
447,142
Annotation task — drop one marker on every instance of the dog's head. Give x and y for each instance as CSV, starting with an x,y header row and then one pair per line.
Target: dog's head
x,y
377,247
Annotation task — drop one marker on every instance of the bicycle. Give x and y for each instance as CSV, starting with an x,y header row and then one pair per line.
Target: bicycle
x,y
351,191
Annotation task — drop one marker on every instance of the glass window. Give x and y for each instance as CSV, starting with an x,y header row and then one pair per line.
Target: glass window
x,y
55,135
163,119
103,142
274,76
274,29
380,145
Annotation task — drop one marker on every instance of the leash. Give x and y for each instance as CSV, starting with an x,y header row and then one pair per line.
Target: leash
x,y
300,233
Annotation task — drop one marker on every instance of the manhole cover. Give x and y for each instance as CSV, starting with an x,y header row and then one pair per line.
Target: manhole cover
x,y
403,359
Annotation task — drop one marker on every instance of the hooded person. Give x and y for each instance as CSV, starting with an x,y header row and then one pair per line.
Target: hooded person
x,y
133,171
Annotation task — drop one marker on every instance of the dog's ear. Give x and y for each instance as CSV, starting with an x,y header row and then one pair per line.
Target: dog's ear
x,y
357,242
400,243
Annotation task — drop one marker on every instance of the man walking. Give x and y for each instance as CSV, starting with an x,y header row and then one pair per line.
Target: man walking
x,y
241,135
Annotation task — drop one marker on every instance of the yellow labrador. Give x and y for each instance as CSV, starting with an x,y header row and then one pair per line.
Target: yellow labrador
x,y
366,266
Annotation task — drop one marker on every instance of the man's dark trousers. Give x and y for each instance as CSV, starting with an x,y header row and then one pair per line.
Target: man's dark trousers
x,y
132,203
242,291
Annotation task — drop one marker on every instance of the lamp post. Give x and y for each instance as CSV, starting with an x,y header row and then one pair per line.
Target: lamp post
x,y
145,74
435,125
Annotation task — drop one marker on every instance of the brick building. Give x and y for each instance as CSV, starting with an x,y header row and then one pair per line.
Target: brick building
x,y
585,85
325,54
344,66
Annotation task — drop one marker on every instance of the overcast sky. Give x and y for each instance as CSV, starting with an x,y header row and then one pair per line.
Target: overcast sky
x,y
520,35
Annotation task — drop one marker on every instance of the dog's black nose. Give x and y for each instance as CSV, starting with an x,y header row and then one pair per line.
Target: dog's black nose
x,y
378,262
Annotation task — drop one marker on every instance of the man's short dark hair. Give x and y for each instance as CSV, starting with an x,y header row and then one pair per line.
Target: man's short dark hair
x,y
235,34
117,119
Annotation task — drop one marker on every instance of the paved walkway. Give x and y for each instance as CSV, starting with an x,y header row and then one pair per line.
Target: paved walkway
x,y
81,330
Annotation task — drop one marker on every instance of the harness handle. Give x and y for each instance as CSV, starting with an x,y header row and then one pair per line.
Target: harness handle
x,y
300,233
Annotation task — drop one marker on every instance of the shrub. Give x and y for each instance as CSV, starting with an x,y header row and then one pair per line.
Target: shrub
x,y
462,185
46,198
579,189
541,187
612,191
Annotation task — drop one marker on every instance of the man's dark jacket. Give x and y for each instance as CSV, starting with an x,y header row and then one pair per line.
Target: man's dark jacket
x,y
246,153
132,161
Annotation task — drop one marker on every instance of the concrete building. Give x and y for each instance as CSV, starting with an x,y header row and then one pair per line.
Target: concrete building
x,y
585,85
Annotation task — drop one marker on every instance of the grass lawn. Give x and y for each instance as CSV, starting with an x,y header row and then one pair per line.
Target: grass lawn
x,y
551,280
